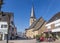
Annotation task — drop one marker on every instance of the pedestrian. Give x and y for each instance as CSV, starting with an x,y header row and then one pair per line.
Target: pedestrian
x,y
41,38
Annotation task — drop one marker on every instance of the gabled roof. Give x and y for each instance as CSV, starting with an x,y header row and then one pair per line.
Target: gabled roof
x,y
55,17
39,26
35,23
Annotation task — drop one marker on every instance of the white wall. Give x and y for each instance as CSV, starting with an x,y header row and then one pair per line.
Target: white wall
x,y
3,30
57,24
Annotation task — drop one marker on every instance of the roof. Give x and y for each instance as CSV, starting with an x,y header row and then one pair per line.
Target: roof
x,y
35,23
55,17
39,26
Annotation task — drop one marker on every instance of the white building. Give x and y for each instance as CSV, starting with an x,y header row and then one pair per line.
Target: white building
x,y
8,17
53,25
56,26
3,29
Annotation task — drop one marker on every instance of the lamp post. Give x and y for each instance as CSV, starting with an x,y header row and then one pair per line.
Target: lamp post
x,y
1,3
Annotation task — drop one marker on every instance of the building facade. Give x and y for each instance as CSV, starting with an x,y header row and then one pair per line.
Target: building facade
x,y
3,30
9,18
53,25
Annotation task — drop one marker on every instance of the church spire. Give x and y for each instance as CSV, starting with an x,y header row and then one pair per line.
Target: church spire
x,y
32,16
32,12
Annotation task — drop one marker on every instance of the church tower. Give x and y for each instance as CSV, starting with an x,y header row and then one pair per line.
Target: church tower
x,y
32,16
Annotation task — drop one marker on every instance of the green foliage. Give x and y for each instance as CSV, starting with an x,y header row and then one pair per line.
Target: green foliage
x,y
54,36
38,36
47,35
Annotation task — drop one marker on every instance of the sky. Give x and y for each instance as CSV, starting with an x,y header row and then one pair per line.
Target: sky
x,y
22,10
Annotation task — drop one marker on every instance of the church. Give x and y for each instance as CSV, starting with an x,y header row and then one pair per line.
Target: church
x,y
37,26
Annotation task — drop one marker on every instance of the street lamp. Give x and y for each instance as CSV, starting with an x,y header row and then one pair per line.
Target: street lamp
x,y
1,3
8,27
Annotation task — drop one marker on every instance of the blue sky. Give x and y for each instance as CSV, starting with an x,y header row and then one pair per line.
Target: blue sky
x,y
22,9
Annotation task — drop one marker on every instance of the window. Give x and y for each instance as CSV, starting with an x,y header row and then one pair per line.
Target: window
x,y
3,14
12,22
3,26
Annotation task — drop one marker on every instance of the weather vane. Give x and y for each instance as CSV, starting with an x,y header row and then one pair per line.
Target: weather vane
x,y
1,3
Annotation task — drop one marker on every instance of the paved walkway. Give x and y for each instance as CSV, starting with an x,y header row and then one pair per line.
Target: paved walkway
x,y
27,41
20,41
